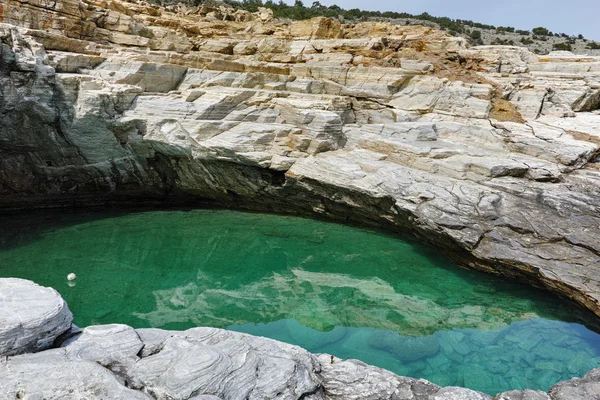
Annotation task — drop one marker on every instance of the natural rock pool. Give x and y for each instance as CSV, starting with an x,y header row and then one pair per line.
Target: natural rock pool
x,y
327,287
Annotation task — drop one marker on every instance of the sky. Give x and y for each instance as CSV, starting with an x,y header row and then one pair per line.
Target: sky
x,y
572,17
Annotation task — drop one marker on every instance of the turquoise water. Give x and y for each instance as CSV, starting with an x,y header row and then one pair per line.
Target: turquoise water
x,y
327,287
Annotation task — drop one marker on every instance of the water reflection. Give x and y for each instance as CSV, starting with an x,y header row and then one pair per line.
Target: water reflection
x,y
327,287
321,301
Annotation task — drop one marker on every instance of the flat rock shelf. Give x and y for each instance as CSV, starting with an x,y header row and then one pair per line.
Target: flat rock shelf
x,y
329,288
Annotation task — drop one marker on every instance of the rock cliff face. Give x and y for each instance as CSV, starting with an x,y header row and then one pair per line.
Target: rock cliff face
x,y
119,362
489,153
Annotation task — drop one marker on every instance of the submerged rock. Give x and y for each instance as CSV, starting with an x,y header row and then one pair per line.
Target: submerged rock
x,y
306,337
120,362
405,348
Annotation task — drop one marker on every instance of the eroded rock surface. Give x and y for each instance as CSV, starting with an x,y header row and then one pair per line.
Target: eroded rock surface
x,y
587,387
522,395
31,317
118,362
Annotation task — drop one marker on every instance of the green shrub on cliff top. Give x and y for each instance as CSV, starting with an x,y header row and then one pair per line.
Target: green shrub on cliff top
x,y
300,11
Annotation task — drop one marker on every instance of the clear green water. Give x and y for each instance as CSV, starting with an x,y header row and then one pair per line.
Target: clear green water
x,y
330,288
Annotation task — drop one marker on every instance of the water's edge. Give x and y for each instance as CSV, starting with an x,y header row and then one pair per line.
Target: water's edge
x,y
35,228
270,191
335,375
290,198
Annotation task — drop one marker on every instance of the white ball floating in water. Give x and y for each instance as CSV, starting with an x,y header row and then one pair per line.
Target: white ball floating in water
x,y
71,277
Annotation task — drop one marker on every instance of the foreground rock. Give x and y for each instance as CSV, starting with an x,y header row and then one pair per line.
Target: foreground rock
x,y
167,365
31,317
586,388
119,362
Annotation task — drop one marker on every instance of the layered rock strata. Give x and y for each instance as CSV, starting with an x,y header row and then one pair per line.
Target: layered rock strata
x,y
119,362
31,317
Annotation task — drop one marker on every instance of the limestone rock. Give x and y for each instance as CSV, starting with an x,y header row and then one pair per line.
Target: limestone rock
x,y
317,28
49,375
522,395
353,379
176,365
457,393
31,317
587,387
426,94
228,365
108,345
150,77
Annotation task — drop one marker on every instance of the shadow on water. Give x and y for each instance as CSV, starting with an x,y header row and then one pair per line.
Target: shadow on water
x,y
355,293
23,229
